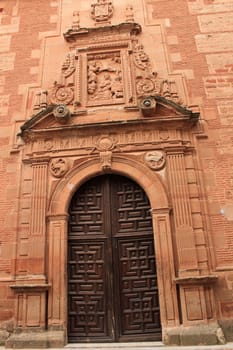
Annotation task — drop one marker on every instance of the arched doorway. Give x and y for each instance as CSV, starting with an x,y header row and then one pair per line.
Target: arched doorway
x,y
112,282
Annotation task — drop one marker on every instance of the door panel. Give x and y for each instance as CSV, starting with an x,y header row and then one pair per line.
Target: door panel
x,y
87,290
139,308
112,283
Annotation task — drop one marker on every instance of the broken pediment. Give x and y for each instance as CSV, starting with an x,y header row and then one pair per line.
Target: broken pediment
x,y
156,109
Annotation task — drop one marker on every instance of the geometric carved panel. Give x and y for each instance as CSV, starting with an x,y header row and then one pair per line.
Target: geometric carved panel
x,y
133,208
87,289
86,212
139,301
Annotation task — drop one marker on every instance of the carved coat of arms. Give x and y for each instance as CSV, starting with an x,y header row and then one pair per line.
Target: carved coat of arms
x,y
102,11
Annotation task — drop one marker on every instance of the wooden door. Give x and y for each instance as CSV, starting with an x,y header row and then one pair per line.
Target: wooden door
x,y
112,282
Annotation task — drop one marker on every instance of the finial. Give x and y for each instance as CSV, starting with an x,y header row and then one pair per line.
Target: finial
x,y
129,13
76,21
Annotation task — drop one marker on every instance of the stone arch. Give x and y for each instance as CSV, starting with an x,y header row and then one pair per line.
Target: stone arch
x,y
131,168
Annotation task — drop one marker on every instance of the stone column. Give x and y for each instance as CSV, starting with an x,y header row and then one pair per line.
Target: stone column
x,y
38,217
165,267
57,263
195,291
184,235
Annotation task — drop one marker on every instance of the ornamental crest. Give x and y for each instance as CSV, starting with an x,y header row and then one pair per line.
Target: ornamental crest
x,y
102,11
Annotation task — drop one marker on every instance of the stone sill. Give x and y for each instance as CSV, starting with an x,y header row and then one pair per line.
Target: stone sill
x,y
196,279
30,287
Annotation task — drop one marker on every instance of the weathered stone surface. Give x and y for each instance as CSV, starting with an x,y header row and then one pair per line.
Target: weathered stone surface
x,y
32,339
4,335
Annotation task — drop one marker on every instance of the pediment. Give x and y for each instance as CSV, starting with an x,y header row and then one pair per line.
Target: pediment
x,y
154,109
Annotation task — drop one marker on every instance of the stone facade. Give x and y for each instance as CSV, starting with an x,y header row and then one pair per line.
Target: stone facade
x,y
142,90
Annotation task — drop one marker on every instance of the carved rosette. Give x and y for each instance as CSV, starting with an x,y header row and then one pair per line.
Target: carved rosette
x,y
61,94
148,85
155,160
58,167
105,144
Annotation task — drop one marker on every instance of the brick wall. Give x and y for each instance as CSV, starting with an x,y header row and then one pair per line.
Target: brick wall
x,y
199,45
22,27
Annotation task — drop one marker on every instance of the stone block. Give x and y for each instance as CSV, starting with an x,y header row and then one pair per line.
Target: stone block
x,y
7,61
199,334
5,43
40,339
227,327
171,336
220,63
215,22
4,335
214,42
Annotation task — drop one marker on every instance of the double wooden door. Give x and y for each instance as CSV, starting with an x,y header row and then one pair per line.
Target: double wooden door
x,y
112,282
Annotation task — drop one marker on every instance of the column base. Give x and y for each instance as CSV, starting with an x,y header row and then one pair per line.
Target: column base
x,y
200,334
4,335
36,339
227,326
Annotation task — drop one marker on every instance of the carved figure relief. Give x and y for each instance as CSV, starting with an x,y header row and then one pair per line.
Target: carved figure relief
x,y
104,76
102,11
58,167
155,160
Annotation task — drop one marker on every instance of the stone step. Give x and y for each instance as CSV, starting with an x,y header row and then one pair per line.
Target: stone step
x,y
116,346
144,346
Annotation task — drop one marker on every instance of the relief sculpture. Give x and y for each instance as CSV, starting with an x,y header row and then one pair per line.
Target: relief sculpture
x,y
147,81
63,92
104,78
155,160
58,167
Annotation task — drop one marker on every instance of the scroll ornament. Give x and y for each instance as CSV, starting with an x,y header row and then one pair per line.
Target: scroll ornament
x,y
147,81
61,94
